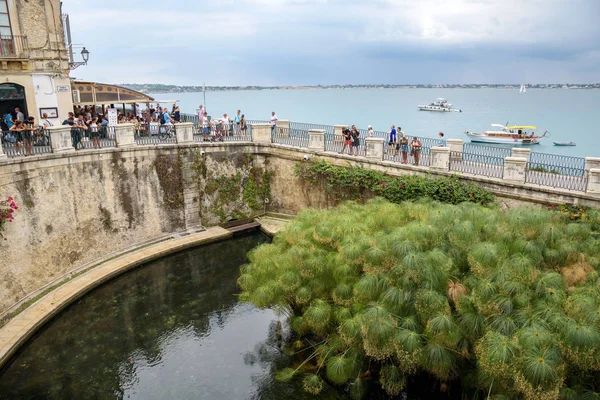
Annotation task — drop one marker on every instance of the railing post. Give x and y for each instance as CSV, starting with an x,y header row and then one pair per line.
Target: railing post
x,y
184,132
593,186
261,133
124,135
440,158
592,163
60,139
283,128
337,138
3,156
521,152
374,148
316,139
456,147
514,169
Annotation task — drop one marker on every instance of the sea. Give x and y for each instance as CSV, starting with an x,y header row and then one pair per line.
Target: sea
x,y
567,114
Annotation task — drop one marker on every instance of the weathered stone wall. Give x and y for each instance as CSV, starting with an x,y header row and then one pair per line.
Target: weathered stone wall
x,y
79,208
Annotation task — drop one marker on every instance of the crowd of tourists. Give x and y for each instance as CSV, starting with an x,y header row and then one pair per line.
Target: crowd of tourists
x,y
23,131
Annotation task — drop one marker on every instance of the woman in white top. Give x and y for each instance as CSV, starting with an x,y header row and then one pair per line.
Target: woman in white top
x,y
226,125
371,131
94,133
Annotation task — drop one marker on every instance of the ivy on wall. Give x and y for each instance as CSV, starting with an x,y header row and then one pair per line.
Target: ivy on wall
x,y
357,183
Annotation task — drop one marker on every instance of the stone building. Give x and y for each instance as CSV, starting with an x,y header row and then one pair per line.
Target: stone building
x,y
34,59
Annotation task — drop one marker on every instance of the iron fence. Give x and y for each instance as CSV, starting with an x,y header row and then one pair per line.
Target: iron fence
x,y
224,133
413,155
25,143
482,153
477,164
556,176
564,165
290,137
155,134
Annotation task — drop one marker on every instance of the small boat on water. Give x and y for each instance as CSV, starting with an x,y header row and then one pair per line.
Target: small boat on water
x,y
440,105
523,89
556,143
505,134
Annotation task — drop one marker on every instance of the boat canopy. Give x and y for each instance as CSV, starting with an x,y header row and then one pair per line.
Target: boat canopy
x,y
521,127
498,126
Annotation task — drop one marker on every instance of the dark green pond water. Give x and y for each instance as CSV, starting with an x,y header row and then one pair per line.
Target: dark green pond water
x,y
170,330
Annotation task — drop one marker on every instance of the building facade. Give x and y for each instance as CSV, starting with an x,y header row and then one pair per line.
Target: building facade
x,y
34,61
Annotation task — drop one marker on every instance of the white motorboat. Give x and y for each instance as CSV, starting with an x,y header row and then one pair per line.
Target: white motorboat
x,y
505,134
440,104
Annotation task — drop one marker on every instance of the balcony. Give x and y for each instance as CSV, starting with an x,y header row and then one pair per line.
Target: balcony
x,y
14,47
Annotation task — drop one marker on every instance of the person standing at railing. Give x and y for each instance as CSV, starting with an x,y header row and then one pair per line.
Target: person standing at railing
x,y
415,150
442,140
392,137
243,124
19,116
200,113
403,144
371,131
95,133
238,122
226,125
347,137
273,122
81,131
177,115
205,127
17,135
355,134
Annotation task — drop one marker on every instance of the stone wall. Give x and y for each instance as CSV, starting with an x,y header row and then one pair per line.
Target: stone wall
x,y
80,207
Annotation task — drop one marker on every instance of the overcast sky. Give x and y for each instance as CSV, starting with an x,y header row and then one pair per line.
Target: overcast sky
x,y
298,42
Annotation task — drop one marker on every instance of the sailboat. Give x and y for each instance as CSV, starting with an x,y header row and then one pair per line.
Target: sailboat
x,y
523,89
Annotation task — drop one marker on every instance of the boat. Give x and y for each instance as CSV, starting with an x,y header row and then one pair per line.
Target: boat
x,y
523,89
556,143
507,134
440,104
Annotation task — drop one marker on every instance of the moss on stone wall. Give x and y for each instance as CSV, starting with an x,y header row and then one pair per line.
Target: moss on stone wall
x,y
229,185
168,169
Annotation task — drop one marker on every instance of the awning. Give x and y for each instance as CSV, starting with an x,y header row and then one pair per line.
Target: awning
x,y
90,93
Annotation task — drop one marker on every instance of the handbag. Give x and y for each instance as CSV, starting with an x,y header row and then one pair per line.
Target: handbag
x,y
11,137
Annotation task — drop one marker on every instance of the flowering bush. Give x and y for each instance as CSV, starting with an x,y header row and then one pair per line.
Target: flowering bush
x,y
7,210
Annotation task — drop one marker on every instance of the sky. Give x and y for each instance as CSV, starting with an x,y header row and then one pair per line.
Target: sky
x,y
312,42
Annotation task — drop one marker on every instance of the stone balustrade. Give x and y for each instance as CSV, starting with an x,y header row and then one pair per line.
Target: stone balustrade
x,y
516,169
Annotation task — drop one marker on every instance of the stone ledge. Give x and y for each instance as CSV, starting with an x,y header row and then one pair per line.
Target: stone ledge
x,y
16,332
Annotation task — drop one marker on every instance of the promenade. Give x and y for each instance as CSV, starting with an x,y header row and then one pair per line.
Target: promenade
x,y
516,165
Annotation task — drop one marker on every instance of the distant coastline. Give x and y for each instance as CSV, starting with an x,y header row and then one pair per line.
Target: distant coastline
x,y
161,88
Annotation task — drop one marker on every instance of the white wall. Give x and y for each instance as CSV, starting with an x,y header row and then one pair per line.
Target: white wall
x,y
44,86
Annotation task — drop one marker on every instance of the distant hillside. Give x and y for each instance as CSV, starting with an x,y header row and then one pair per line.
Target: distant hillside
x,y
160,88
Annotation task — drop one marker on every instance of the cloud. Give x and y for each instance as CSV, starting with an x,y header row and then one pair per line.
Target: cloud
x,y
322,41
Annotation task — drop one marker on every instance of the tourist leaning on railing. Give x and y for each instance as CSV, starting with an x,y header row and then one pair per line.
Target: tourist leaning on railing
x,y
415,150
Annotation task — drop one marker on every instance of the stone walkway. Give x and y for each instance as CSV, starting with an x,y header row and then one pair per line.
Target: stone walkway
x,y
271,224
22,326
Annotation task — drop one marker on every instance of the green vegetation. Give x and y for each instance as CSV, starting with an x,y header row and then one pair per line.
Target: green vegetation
x,y
356,183
494,304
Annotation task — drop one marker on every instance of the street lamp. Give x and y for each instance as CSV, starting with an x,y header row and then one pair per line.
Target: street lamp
x,y
85,55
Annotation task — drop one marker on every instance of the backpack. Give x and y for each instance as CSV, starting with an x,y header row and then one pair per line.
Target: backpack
x,y
161,118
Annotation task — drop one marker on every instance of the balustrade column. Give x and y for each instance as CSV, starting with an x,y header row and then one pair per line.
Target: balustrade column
x,y
60,139
592,163
514,169
593,186
521,152
184,132
440,158
283,128
374,148
124,135
456,147
261,133
2,155
316,139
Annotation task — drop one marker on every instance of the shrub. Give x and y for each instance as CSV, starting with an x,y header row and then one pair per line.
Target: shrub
x,y
357,183
7,209
505,303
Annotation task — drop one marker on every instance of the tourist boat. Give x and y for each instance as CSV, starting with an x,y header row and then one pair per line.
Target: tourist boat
x,y
505,134
556,143
440,104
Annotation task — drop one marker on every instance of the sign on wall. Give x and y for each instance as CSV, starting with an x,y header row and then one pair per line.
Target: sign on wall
x,y
112,116
63,88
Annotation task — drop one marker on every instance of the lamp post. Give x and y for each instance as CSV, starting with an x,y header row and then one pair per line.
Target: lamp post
x,y
85,55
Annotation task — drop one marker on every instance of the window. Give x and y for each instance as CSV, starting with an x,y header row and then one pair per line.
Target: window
x,y
4,20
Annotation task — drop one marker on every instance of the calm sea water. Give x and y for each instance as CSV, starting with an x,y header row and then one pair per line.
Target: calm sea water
x,y
569,115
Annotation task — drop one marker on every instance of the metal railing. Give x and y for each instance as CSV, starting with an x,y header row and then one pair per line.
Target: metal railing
x,y
556,176
13,46
154,133
564,165
483,153
25,143
290,137
476,164
414,156
224,133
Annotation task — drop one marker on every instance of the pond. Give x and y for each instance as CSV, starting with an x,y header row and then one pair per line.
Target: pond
x,y
172,329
